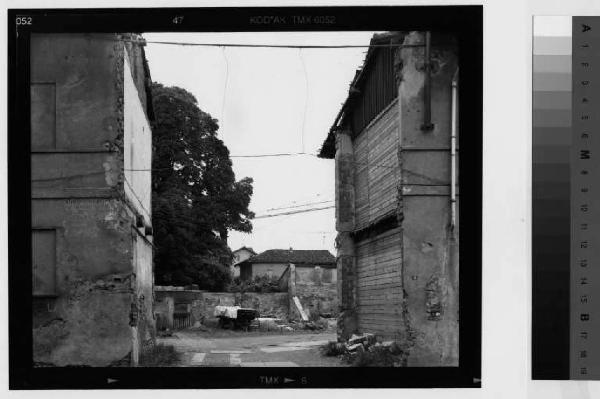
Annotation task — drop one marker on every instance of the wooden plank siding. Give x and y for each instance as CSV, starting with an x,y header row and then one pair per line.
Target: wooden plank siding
x,y
376,168
379,291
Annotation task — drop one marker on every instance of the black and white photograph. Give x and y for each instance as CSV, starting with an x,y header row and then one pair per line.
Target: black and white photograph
x,y
284,196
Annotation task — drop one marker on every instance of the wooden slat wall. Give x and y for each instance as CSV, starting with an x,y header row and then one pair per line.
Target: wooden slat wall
x,y
378,89
376,169
380,284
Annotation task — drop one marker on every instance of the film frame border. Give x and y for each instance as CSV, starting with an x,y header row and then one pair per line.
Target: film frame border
x,y
465,21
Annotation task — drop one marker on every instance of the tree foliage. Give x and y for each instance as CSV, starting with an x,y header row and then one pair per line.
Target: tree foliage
x,y
196,199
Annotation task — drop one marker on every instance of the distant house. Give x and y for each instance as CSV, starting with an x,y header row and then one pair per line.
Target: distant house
x,y
240,255
274,262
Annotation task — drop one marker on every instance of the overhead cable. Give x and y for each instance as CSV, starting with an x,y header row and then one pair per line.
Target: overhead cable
x,y
294,212
290,46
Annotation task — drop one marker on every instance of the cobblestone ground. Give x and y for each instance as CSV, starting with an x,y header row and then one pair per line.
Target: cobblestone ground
x,y
243,349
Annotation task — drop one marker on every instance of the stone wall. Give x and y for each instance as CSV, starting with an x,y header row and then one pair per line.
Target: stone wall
x,y
430,245
318,299
203,303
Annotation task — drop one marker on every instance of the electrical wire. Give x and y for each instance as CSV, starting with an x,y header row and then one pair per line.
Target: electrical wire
x,y
138,198
224,91
434,182
305,98
289,46
299,205
294,212
282,154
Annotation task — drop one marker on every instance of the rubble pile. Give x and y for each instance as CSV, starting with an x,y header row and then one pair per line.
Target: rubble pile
x,y
367,350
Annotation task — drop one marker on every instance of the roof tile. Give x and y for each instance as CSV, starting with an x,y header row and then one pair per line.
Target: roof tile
x,y
318,257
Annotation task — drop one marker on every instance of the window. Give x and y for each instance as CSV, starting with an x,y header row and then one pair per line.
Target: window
x,y
327,276
43,245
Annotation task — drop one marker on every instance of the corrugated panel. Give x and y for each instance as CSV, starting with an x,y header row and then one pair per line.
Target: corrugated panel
x,y
44,262
377,90
380,284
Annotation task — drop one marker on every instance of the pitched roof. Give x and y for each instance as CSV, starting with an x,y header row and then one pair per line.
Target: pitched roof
x,y
300,256
328,147
249,249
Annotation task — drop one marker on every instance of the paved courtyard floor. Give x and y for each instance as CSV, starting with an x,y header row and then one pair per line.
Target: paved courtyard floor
x,y
251,349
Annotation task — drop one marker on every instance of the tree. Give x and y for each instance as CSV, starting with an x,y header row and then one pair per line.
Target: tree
x,y
196,199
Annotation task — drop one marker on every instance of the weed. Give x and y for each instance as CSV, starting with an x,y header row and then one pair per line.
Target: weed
x,y
376,356
333,348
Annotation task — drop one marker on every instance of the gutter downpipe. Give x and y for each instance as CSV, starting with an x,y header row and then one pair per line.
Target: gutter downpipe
x,y
453,136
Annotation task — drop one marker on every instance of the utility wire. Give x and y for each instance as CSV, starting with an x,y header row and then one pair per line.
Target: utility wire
x,y
299,205
138,198
224,91
305,98
434,182
290,46
282,154
294,212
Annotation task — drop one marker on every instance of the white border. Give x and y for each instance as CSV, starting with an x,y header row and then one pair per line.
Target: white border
x,y
506,206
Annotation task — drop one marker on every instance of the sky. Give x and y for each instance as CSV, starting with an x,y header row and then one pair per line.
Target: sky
x,y
270,101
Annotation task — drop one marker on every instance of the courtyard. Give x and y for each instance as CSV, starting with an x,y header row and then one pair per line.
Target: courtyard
x,y
231,348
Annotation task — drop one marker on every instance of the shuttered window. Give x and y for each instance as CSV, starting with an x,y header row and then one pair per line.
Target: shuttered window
x,y
44,262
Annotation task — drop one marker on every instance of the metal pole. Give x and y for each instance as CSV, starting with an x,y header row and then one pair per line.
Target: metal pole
x,y
453,148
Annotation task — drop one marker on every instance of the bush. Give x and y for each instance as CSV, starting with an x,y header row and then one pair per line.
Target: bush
x,y
260,284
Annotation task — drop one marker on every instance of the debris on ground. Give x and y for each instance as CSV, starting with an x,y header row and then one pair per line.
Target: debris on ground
x,y
366,350
165,333
198,327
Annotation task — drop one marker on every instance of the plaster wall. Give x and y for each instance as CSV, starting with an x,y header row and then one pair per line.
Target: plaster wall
x,y
430,244
89,312
265,269
137,161
137,152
